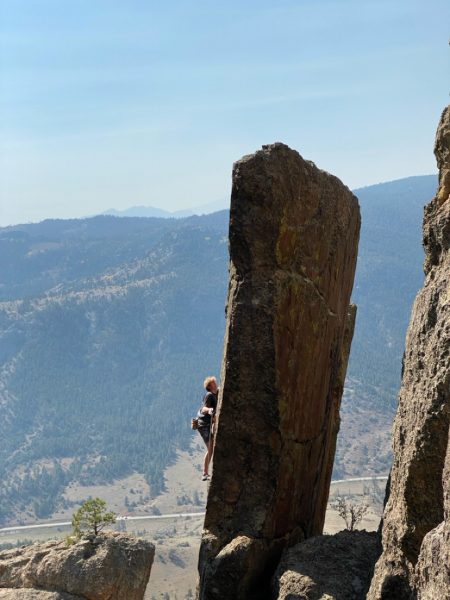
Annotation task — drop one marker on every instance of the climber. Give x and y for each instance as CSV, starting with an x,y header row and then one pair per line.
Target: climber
x,y
206,420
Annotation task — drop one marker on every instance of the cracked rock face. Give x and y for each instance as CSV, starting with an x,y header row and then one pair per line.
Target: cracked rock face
x,y
416,521
108,567
294,233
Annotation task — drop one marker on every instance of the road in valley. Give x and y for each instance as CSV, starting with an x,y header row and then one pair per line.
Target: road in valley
x,y
118,518
56,524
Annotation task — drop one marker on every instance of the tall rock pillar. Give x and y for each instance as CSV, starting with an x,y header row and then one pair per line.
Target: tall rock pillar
x,y
294,233
415,504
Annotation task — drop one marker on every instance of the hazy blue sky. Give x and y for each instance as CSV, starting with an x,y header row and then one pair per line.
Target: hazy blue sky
x,y
112,104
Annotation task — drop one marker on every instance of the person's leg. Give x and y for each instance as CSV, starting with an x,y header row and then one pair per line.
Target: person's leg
x,y
204,432
206,463
209,453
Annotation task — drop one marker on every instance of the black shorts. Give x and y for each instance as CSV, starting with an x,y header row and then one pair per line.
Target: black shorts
x,y
205,432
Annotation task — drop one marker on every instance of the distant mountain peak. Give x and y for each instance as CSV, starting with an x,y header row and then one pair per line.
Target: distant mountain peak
x,y
152,211
139,211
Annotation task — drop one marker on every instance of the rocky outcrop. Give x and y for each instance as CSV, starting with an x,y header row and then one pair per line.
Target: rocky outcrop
x,y
328,567
414,524
108,567
293,244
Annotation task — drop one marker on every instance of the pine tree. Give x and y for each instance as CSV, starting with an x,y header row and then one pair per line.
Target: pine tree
x,y
91,518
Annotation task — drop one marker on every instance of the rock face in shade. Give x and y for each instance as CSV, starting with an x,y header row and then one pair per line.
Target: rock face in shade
x,y
415,504
108,567
328,567
433,567
294,233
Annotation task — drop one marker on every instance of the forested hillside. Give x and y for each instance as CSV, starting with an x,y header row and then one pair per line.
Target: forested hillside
x,y
388,274
103,370
108,326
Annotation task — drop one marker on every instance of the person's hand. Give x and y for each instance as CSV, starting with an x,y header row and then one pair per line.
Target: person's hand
x,y
211,411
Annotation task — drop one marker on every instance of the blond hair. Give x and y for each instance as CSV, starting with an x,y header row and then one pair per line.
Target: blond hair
x,y
208,382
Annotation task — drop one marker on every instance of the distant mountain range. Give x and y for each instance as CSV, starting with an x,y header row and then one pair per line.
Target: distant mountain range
x,y
151,211
108,326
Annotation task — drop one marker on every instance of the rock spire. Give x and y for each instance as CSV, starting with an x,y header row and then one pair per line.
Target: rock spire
x,y
294,233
